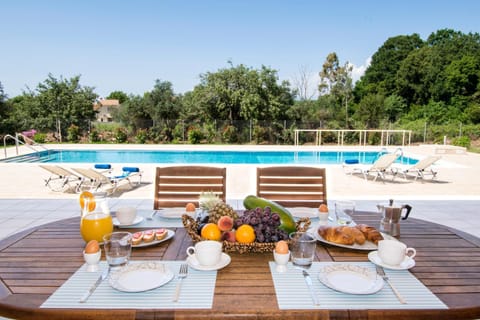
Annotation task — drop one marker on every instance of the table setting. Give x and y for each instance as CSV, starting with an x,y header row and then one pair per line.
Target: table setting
x,y
299,281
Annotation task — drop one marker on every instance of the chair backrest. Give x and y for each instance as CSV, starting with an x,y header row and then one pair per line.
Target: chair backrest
x,y
426,162
293,186
176,186
385,161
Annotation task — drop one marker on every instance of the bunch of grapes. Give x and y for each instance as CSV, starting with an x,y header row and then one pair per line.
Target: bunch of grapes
x,y
265,223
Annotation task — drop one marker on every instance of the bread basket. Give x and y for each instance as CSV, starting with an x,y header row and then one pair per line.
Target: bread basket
x,y
191,226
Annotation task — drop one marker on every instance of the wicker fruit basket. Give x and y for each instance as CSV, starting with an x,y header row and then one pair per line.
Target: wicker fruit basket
x,y
191,227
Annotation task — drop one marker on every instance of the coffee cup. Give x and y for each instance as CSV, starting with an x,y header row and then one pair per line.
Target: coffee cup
x,y
393,252
126,215
208,253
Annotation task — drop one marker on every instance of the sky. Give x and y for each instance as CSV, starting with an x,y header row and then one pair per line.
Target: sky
x,y
118,45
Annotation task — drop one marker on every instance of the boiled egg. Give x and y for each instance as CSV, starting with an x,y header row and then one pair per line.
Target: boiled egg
x,y
281,247
323,208
92,246
190,207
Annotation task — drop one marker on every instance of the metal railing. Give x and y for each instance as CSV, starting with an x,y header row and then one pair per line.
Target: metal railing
x,y
27,142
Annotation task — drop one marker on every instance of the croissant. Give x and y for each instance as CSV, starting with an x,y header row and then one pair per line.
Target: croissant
x,y
335,235
371,234
356,234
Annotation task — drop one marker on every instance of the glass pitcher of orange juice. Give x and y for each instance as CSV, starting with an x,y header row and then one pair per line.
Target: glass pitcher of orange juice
x,y
96,219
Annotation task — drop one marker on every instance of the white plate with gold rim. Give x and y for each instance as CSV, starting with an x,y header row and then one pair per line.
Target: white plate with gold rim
x,y
170,234
350,278
139,277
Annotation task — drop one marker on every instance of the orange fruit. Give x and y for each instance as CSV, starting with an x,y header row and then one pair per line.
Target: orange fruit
x,y
210,231
89,198
245,234
190,207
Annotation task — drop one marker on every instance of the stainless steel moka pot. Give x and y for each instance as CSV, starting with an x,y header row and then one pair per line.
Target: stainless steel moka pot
x,y
391,216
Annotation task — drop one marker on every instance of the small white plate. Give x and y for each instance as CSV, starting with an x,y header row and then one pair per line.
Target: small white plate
x,y
173,213
138,277
406,264
352,279
170,234
224,261
137,220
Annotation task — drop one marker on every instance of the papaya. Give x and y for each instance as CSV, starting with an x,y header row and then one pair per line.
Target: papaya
x,y
287,222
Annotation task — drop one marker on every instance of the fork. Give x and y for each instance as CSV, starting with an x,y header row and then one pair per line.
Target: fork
x,y
182,274
381,273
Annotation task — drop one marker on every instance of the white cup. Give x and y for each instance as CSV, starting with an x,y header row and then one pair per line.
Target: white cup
x,y
393,252
323,217
208,252
126,215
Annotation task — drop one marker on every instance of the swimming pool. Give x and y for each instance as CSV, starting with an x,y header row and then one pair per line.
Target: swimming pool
x,y
197,157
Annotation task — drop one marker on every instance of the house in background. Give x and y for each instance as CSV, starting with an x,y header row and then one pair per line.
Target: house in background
x,y
104,109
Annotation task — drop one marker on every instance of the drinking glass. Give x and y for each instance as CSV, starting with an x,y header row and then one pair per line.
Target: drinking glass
x,y
344,211
302,249
118,247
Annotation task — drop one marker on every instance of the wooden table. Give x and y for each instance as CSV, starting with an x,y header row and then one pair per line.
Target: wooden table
x,y
34,263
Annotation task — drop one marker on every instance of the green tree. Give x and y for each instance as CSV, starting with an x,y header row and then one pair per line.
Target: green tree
x,y
118,95
242,93
336,82
380,77
161,104
371,110
56,104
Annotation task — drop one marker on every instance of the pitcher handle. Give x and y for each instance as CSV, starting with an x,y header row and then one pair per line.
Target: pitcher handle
x,y
409,208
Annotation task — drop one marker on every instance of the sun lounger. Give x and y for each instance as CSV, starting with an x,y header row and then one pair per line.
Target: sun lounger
x,y
60,178
94,180
419,170
378,168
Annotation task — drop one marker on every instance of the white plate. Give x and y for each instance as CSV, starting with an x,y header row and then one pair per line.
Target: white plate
x,y
368,245
352,279
406,264
173,213
137,220
170,234
224,261
301,212
138,277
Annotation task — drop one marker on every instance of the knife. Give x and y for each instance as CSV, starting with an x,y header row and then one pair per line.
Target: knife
x,y
309,282
382,274
89,292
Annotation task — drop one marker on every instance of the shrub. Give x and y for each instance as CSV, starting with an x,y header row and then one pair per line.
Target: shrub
x,y
120,135
463,141
93,136
195,135
40,137
141,136
73,133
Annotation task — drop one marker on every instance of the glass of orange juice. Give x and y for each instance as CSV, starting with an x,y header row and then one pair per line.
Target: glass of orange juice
x,y
96,219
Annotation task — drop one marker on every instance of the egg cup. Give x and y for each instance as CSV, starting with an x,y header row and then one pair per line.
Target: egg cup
x,y
92,260
281,259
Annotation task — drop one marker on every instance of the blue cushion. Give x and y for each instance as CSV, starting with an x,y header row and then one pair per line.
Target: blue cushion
x,y
351,161
103,166
131,169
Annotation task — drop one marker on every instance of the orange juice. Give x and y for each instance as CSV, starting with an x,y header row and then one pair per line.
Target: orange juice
x,y
95,225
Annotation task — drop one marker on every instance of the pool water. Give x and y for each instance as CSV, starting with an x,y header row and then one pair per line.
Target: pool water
x,y
223,157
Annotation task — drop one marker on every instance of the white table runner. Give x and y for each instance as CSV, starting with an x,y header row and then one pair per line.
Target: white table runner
x,y
196,293
292,291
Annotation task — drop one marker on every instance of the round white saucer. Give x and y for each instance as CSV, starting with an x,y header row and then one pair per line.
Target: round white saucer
x,y
406,264
137,220
193,262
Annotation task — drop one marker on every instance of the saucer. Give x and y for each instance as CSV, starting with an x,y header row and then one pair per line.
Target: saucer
x,y
193,262
406,264
137,220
